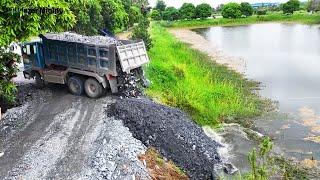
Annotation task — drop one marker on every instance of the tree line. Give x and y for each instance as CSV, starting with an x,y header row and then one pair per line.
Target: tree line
x,y
189,11
186,11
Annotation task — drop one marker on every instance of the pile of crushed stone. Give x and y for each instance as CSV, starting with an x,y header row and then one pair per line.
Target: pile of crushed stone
x,y
172,133
78,38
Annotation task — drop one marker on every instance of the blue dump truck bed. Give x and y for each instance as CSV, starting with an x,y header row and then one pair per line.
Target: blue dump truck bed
x,y
91,53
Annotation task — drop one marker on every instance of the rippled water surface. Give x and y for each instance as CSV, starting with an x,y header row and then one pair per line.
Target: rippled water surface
x,y
286,59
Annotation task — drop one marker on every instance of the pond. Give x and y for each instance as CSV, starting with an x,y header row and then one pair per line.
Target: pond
x,y
285,58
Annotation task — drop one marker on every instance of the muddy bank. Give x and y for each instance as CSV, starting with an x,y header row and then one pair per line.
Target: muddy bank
x,y
171,132
200,43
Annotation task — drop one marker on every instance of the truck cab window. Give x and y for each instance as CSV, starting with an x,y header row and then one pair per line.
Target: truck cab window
x,y
34,49
31,50
26,50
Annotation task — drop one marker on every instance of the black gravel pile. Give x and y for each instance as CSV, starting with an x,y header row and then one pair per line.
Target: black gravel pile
x,y
74,37
171,132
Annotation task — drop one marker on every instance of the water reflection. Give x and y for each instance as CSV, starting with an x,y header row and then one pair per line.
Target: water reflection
x,y
286,59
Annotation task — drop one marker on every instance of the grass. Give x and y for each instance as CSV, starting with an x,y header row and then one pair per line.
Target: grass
x,y
190,80
298,17
159,168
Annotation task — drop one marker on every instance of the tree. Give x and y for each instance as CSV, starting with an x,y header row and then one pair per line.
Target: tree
x,y
134,15
246,9
141,31
231,10
261,11
188,11
171,14
290,6
88,16
313,6
203,11
160,6
155,15
114,15
20,20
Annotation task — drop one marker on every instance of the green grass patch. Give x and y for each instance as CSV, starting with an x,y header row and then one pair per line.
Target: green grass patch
x,y
190,80
298,17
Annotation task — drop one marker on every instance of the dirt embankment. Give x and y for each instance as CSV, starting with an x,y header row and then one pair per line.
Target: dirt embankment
x,y
200,43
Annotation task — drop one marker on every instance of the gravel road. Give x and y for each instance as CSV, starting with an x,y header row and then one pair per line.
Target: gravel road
x,y
55,135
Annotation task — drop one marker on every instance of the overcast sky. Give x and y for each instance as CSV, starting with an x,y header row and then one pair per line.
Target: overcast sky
x,y
213,3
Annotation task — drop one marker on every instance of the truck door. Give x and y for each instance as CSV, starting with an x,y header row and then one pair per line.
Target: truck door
x,y
32,56
28,59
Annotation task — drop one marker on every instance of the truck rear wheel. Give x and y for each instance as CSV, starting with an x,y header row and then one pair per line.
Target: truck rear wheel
x,y
93,88
75,85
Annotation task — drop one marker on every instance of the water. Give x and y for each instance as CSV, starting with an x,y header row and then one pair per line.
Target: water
x,y
286,59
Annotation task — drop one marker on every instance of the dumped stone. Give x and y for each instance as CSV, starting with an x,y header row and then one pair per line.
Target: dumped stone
x,y
172,133
132,83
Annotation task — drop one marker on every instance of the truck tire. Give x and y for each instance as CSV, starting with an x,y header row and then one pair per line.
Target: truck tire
x,y
93,88
75,85
39,80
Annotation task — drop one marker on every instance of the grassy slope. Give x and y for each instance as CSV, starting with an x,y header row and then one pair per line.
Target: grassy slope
x,y
275,17
188,79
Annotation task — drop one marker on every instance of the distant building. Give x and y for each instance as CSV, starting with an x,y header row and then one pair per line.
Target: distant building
x,y
267,5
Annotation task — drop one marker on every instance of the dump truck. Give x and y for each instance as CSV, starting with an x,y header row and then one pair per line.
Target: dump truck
x,y
86,64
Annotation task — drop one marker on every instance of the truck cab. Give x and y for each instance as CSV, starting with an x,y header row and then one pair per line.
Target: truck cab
x,y
32,57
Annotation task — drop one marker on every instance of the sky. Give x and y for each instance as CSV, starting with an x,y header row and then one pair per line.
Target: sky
x,y
213,3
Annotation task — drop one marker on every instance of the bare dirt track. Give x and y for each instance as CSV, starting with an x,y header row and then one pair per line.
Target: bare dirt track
x,y
200,43
60,136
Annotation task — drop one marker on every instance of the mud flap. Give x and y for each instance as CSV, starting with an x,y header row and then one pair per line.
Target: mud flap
x,y
113,84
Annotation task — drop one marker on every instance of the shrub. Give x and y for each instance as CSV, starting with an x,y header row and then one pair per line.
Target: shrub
x,y
290,6
231,10
8,70
171,14
203,11
246,9
155,15
141,32
261,12
134,15
188,11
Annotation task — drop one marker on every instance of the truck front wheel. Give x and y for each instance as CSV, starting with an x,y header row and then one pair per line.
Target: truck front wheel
x,y
39,80
93,88
75,85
